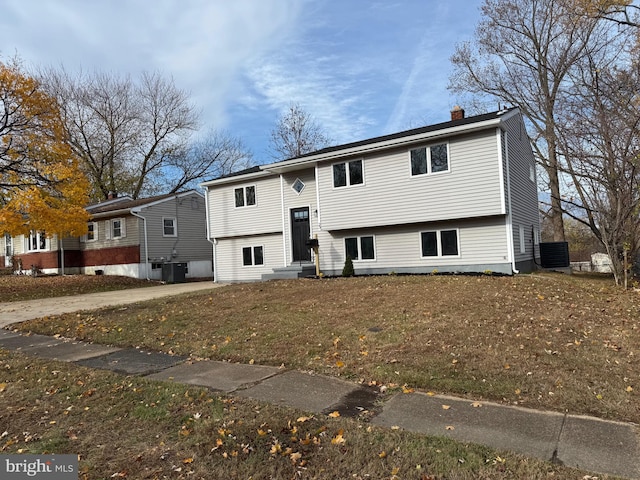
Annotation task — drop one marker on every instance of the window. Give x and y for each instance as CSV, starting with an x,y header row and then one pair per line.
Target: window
x,y
92,233
252,256
433,159
348,173
439,243
115,228
37,241
360,248
169,227
298,186
523,247
245,196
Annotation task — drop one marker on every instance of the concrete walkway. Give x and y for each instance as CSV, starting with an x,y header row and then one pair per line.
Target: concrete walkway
x,y
587,443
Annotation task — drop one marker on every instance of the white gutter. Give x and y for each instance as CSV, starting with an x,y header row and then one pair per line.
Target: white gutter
x,y
146,243
213,241
510,244
61,252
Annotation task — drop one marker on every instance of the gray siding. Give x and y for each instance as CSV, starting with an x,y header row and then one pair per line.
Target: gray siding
x,y
132,234
228,221
524,192
471,188
190,242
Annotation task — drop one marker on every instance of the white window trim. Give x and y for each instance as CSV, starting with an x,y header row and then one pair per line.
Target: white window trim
x,y
244,196
523,246
85,237
253,258
293,186
348,185
109,228
428,150
47,243
175,227
439,243
359,244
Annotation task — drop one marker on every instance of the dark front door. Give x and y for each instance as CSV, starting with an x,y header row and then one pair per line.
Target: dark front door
x,y
300,234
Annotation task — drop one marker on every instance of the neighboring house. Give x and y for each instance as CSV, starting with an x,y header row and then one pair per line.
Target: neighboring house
x,y
459,196
126,237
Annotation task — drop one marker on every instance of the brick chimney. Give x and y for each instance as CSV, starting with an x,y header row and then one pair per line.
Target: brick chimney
x,y
457,113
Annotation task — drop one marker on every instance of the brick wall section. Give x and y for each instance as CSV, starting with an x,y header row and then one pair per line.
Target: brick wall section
x,y
77,258
111,256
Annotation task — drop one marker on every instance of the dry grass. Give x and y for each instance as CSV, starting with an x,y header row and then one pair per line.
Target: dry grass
x,y
25,287
564,343
128,427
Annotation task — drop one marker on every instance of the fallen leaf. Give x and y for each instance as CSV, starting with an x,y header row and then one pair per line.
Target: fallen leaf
x,y
303,419
187,460
339,364
446,407
395,471
476,404
335,414
295,456
628,389
3,387
406,389
518,391
449,427
431,394
338,439
382,454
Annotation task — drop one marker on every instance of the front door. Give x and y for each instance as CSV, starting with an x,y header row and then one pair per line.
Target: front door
x,y
8,250
300,234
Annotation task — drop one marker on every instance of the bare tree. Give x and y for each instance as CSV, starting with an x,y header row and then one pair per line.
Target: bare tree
x,y
601,143
522,54
296,134
217,154
124,132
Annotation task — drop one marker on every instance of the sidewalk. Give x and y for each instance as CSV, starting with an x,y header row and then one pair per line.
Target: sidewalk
x,y
587,443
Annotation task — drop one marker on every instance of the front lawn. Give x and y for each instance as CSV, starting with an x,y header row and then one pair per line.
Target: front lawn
x,y
557,342
25,287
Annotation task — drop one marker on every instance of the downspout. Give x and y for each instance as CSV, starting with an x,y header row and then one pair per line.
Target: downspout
x,y
512,253
213,241
146,243
61,254
284,223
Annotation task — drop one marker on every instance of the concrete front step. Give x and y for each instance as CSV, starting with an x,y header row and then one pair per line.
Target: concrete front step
x,y
292,271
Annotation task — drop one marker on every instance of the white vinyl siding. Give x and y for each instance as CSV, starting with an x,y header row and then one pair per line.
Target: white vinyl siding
x,y
391,196
265,217
482,245
229,258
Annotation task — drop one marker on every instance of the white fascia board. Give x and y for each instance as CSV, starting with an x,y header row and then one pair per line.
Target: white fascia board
x,y
235,179
112,213
372,147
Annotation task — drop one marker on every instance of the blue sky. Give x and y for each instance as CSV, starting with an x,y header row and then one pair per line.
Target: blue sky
x,y
360,68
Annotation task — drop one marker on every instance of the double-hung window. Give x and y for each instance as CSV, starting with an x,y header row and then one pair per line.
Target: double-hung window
x,y
169,227
115,228
37,241
92,233
431,159
245,196
360,248
348,173
440,243
252,256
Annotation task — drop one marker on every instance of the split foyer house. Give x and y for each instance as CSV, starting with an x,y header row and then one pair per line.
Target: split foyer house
x,y
134,238
458,196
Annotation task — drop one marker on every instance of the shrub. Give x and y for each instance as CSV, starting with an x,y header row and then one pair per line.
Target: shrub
x,y
348,271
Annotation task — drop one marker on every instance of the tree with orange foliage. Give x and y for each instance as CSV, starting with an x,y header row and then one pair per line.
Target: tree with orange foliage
x,y
41,185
